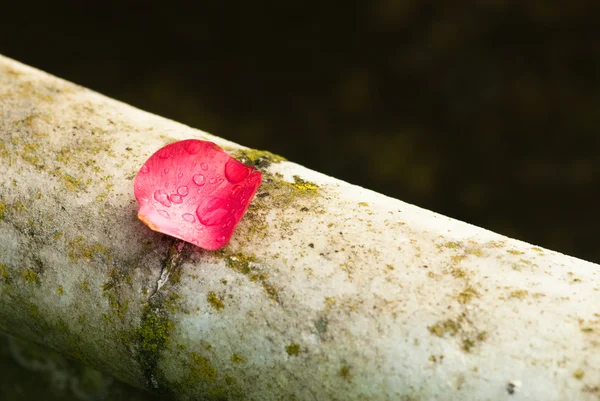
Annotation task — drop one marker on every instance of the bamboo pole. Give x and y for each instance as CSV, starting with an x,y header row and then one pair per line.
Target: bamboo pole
x,y
327,291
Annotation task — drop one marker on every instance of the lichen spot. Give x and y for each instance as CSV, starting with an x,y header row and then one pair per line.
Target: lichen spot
x,y
214,301
293,349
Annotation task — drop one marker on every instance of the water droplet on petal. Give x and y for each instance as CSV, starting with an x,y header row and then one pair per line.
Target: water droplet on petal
x,y
144,169
144,199
166,170
236,171
212,212
221,239
162,197
204,167
212,181
192,147
163,213
182,190
189,217
180,174
199,179
164,153
176,198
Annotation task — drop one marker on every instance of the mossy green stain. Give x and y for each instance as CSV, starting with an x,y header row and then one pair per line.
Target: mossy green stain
x,y
444,327
4,275
345,373
243,263
293,349
260,159
214,301
237,358
152,338
80,249
467,295
201,369
30,276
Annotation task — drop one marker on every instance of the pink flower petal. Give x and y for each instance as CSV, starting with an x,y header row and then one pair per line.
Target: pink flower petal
x,y
194,191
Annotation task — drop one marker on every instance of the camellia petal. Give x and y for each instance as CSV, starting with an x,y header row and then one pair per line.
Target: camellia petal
x,y
194,191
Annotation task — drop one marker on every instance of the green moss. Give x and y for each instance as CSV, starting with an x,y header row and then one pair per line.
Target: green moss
x,y
243,264
515,252
30,276
303,185
237,358
260,159
2,210
85,285
201,370
519,294
152,338
60,290
293,349
345,373
578,374
71,183
471,341
4,273
452,245
448,326
215,301
80,249
109,291
467,295
364,204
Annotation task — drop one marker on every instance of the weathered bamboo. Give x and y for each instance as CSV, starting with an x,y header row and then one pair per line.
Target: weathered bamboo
x,y
327,291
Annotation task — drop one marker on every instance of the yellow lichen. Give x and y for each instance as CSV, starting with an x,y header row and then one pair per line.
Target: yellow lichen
x,y
303,185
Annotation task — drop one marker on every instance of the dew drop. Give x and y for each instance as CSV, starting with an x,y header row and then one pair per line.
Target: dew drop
x,y
176,198
180,174
144,199
212,181
162,198
167,184
204,167
163,213
213,211
221,239
220,180
192,147
144,169
164,153
189,217
166,170
236,171
199,179
182,190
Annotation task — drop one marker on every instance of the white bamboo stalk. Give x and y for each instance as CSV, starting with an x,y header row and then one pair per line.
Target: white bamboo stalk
x,y
327,291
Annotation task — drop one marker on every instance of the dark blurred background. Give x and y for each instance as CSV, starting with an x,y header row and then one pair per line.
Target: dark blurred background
x,y
485,111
